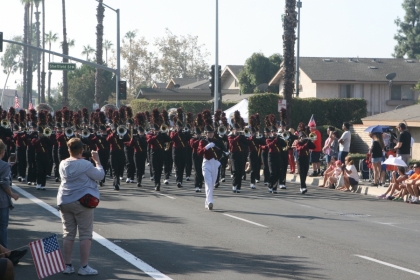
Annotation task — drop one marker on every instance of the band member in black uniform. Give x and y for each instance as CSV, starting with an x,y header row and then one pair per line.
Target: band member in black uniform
x,y
236,142
168,161
275,147
284,155
42,145
179,147
33,134
115,140
99,139
222,135
21,142
62,138
149,151
196,159
156,139
264,156
303,146
254,155
58,116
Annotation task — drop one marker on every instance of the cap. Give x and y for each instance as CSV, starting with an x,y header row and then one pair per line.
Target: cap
x,y
402,125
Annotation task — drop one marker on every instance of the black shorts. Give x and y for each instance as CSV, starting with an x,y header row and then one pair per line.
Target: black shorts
x,y
315,157
3,266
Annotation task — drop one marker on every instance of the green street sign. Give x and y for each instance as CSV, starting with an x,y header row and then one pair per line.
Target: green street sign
x,y
61,66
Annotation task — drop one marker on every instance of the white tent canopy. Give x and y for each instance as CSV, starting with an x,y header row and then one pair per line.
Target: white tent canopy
x,y
242,107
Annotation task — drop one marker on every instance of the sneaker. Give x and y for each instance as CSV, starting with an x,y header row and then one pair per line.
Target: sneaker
x,y
231,176
117,187
179,185
382,196
257,181
390,197
29,183
127,181
87,271
68,270
57,180
210,206
16,255
223,180
238,190
265,183
197,189
270,190
139,185
121,178
217,185
252,186
23,180
43,188
48,176
274,191
303,190
234,189
152,179
282,187
313,174
38,187
20,179
100,183
157,188
187,179
166,181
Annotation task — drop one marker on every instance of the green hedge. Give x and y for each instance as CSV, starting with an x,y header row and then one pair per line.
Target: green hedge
x,y
333,111
142,105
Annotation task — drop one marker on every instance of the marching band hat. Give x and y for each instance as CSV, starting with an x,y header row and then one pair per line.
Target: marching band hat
x,y
141,129
236,126
102,127
155,126
208,128
178,123
197,130
40,129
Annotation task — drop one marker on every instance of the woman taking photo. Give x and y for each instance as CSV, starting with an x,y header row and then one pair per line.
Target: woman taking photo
x,y
78,178
376,151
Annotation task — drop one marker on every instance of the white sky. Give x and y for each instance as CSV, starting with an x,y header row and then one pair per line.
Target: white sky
x,y
333,28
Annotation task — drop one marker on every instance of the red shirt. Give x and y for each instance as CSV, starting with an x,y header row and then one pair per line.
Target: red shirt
x,y
136,145
115,143
98,142
272,145
253,145
154,143
317,142
207,154
40,145
194,142
20,139
234,145
177,140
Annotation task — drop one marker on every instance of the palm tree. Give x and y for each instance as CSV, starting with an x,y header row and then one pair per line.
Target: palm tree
x,y
50,38
87,50
289,38
27,4
130,35
99,45
38,44
65,99
107,46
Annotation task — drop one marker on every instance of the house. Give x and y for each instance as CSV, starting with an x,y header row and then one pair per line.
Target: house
x,y
358,78
230,76
179,82
409,115
185,94
9,98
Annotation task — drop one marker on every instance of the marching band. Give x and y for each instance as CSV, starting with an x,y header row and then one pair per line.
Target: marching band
x,y
165,140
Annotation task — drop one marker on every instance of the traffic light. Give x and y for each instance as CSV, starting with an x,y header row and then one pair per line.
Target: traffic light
x,y
1,41
219,81
212,80
122,88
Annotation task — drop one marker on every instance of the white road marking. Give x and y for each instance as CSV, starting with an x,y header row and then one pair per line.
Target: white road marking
x,y
389,264
165,195
152,272
257,224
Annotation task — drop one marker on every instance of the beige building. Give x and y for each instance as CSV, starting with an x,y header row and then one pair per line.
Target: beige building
x,y
9,98
358,78
230,76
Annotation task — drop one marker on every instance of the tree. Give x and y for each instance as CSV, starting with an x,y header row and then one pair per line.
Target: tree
x,y
107,46
26,53
289,38
408,33
99,41
258,70
50,38
65,45
87,50
181,57
12,58
82,87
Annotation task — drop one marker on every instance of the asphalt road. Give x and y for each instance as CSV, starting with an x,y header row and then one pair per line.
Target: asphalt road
x,y
324,234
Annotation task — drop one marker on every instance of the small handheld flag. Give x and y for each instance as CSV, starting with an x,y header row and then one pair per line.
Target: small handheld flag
x,y
47,256
312,122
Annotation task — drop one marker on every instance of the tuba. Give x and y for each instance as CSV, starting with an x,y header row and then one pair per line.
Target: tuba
x,y
121,131
221,130
69,132
164,128
47,132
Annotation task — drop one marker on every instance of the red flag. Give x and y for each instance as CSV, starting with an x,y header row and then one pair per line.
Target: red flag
x,y
312,122
47,256
17,105
30,107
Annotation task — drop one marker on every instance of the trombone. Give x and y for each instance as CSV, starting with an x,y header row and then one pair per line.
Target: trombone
x,y
121,131
47,131
5,123
164,128
85,133
221,130
69,132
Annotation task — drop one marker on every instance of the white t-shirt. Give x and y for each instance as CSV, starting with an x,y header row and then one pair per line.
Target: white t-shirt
x,y
354,173
345,147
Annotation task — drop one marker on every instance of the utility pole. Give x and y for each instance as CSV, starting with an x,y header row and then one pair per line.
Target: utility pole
x,y
299,5
216,68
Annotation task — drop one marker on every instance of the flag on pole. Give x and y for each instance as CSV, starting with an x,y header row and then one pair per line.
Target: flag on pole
x,y
17,105
30,107
47,256
312,122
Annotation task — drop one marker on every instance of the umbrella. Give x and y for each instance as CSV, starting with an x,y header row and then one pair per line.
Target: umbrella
x,y
377,129
396,161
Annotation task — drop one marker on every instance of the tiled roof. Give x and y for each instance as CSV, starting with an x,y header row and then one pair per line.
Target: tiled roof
x,y
181,94
184,81
409,115
202,84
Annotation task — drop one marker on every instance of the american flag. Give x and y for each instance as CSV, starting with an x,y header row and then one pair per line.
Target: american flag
x,y
47,256
312,122
30,107
17,105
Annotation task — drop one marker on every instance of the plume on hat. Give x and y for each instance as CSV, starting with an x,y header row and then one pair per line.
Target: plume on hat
x,y
155,118
165,117
180,114
199,121
11,113
217,117
140,120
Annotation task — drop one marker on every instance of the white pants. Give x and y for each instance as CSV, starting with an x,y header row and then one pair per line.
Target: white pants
x,y
210,170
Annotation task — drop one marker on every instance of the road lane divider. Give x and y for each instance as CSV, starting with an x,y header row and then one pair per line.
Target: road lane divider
x,y
247,221
389,264
152,272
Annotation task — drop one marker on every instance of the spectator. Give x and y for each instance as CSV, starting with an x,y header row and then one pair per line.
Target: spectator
x,y
351,178
333,174
77,180
395,189
413,184
344,141
403,146
377,150
315,158
5,195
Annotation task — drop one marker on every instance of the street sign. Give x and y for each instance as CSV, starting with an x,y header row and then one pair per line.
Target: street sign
x,y
61,66
282,104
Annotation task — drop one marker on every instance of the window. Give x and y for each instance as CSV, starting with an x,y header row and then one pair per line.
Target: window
x,y
402,92
236,83
346,91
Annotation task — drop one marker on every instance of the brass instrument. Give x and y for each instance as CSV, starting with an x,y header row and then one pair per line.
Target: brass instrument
x,y
69,132
164,128
312,136
221,130
247,132
85,133
5,123
47,131
121,131
285,135
167,146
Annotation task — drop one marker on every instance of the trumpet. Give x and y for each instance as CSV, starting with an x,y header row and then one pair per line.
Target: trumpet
x,y
5,123
85,133
246,132
221,130
121,131
47,131
285,135
69,132
164,128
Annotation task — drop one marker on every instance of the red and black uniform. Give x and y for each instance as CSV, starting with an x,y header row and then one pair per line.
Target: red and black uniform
x,y
139,145
275,148
224,159
42,146
157,146
197,162
63,150
179,153
55,159
302,148
117,157
31,157
254,157
102,147
237,159
21,146
129,157
264,157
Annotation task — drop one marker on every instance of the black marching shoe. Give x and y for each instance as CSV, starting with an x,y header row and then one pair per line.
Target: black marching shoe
x,y
139,185
117,187
100,183
179,185
157,188
57,180
217,185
